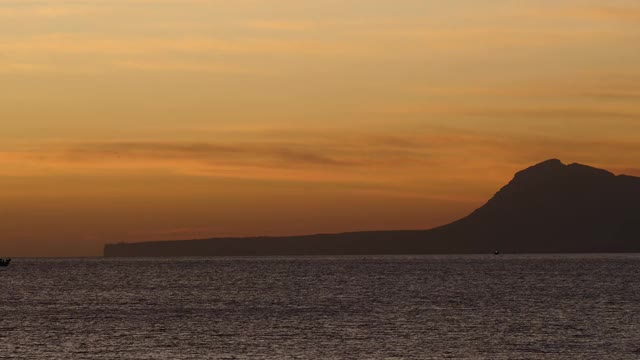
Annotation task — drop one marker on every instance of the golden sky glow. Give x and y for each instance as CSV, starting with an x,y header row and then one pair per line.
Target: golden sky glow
x,y
129,120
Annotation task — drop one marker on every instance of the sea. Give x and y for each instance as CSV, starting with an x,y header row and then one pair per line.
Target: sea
x,y
379,307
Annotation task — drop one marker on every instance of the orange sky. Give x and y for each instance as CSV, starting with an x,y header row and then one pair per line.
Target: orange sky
x,y
130,120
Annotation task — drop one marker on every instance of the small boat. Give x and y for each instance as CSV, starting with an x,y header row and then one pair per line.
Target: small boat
x,y
5,262
496,252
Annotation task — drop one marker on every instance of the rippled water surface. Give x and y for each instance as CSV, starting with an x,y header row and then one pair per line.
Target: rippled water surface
x,y
431,307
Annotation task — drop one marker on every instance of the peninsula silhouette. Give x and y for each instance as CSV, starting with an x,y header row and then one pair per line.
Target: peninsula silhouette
x,y
548,208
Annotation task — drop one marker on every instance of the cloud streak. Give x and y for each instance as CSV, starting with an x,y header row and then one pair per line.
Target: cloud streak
x,y
434,155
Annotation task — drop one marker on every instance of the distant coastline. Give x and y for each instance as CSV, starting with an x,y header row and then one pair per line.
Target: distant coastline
x,y
548,208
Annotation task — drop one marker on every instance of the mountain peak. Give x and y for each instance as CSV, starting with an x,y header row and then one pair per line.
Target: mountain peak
x,y
551,178
550,162
554,168
548,165
541,171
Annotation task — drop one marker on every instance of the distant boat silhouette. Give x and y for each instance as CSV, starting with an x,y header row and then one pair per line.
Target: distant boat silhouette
x,y
5,262
496,252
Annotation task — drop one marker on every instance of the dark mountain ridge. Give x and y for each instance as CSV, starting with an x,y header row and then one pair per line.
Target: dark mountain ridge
x,y
548,208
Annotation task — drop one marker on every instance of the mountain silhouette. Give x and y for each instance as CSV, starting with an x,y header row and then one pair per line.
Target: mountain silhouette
x,y
548,208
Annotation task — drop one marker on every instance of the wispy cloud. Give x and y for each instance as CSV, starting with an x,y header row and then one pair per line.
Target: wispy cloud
x,y
613,95
44,11
434,155
83,44
511,112
182,66
195,158
606,13
282,25
23,67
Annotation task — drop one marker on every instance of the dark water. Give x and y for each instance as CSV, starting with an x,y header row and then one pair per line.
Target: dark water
x,y
432,307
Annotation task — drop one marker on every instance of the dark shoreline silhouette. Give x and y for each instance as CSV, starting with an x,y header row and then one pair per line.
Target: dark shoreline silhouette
x,y
548,208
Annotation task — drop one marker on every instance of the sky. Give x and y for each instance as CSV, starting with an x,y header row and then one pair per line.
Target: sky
x,y
135,120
